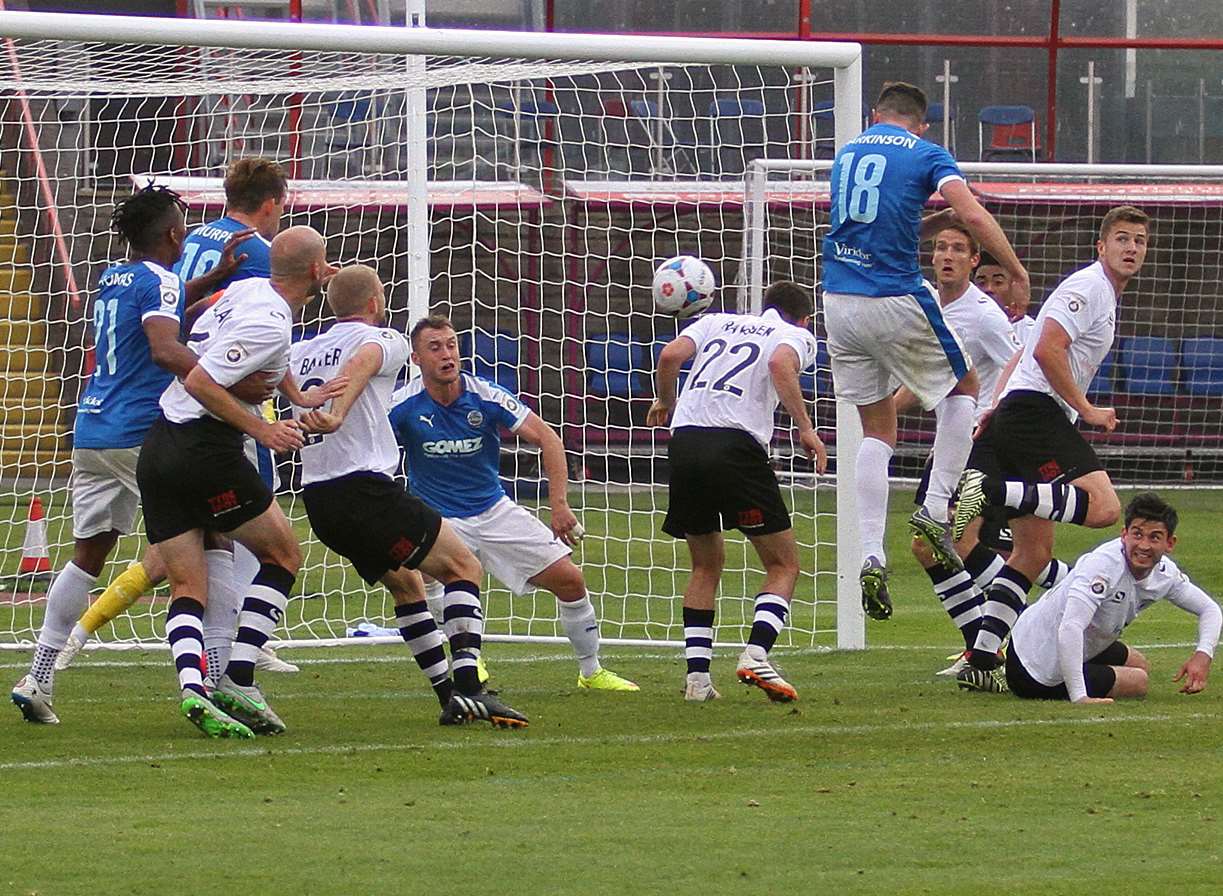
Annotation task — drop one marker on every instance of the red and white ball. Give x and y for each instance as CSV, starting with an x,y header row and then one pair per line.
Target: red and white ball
x,y
683,286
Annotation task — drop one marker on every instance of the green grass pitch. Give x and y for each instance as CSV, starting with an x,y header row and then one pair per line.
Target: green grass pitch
x,y
883,779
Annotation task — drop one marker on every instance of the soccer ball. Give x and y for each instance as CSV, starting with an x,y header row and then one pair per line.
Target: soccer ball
x,y
683,286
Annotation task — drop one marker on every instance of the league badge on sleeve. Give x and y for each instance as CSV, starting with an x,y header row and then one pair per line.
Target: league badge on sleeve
x,y
235,353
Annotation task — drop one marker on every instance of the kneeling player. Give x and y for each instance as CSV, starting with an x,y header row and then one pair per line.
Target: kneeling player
x,y
1065,647
358,510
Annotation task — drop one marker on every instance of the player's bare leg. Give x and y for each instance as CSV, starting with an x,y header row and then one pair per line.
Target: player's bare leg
x,y
565,580
779,554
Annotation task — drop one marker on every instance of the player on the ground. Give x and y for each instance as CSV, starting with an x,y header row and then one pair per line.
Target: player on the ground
x,y
1066,647
449,424
255,193
136,316
885,325
1029,457
993,280
195,478
359,511
720,475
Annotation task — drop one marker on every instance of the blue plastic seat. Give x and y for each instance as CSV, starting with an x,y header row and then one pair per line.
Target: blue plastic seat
x,y
1102,382
1012,133
614,364
495,357
1149,364
1202,360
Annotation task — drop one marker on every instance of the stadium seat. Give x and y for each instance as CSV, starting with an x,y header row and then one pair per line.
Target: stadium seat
x,y
613,366
669,154
524,142
684,370
352,136
1013,134
1102,382
736,135
1202,365
494,357
1148,365
934,118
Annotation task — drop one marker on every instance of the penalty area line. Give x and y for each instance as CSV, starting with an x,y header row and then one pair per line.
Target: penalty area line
x,y
523,741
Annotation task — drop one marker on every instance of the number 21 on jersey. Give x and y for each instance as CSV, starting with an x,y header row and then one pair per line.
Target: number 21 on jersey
x,y
858,186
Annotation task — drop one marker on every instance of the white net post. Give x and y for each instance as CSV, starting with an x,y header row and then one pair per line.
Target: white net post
x,y
524,184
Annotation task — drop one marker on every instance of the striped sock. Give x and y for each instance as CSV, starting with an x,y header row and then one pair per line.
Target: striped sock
x,y
185,632
959,596
1004,601
770,619
1053,573
261,612
1055,501
698,639
420,633
464,628
983,565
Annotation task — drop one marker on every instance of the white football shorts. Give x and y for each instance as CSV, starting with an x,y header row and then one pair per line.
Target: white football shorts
x,y
875,342
510,542
104,491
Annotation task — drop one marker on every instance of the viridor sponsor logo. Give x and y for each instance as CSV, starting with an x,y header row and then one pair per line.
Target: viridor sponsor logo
x,y
908,141
450,447
853,255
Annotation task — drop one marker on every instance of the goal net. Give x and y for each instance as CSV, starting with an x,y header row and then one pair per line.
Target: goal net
x,y
525,185
1164,375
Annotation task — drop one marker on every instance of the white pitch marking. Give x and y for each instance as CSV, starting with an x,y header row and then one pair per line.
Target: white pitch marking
x,y
525,741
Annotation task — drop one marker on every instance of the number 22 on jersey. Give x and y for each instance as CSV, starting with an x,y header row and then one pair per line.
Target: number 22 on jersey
x,y
718,357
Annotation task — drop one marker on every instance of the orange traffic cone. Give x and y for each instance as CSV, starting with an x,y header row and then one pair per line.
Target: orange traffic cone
x,y
35,559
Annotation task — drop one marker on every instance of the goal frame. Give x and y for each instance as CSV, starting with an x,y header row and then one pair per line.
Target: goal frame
x,y
414,43
848,428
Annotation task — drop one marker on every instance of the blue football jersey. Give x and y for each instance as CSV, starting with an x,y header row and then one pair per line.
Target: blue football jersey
x,y
120,401
203,247
454,451
880,181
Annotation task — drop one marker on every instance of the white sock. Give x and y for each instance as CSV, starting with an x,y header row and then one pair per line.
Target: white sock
x,y
220,613
952,444
246,567
81,634
435,597
582,629
872,485
67,599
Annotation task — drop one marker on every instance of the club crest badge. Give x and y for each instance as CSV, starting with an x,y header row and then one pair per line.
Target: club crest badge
x,y
475,419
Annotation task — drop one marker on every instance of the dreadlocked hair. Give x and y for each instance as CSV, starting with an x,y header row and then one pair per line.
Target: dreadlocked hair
x,y
137,217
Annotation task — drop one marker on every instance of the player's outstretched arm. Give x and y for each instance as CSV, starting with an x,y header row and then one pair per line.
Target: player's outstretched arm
x,y
205,284
990,234
783,370
673,356
1192,599
565,523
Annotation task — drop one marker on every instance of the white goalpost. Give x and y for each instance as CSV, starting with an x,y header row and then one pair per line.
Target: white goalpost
x,y
524,184
1165,373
